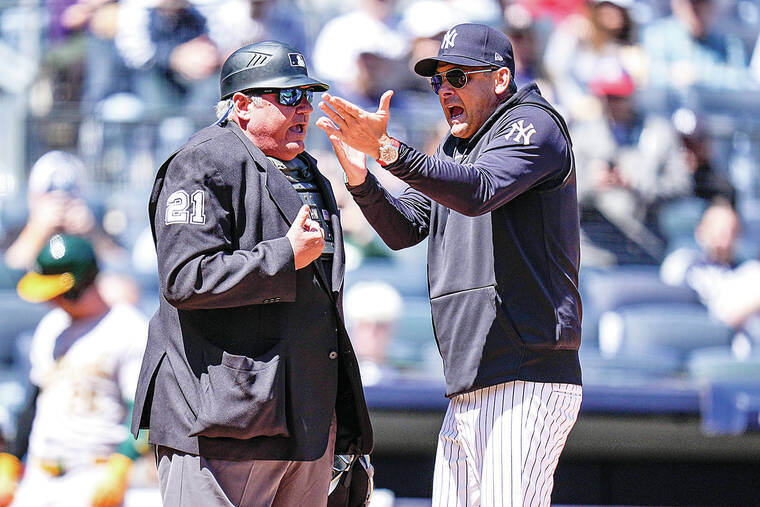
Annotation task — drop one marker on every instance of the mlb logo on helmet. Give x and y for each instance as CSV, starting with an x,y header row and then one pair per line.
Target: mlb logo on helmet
x,y
297,60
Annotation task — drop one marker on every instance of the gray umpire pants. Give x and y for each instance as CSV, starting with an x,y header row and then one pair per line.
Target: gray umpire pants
x,y
188,480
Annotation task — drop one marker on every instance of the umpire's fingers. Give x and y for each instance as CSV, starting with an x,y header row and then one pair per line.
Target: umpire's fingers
x,y
315,238
312,226
302,218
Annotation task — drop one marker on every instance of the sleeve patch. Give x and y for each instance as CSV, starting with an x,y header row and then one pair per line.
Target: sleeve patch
x,y
182,208
519,132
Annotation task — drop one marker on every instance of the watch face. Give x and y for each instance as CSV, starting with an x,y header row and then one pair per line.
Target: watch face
x,y
388,153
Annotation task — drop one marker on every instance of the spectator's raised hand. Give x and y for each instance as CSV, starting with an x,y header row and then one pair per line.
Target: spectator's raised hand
x,y
78,218
195,59
48,213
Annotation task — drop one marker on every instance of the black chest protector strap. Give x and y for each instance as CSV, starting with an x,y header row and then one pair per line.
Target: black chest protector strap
x,y
301,176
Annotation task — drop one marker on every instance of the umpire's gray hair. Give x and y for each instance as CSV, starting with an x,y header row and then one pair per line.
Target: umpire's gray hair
x,y
224,105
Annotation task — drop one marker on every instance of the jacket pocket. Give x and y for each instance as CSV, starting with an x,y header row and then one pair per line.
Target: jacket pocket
x,y
468,331
242,398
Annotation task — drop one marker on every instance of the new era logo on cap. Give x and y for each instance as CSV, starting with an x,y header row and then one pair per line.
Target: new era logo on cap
x,y
297,60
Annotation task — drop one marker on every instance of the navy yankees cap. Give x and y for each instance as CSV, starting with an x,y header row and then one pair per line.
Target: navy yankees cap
x,y
470,45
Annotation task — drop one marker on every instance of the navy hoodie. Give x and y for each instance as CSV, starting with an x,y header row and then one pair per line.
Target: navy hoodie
x,y
500,213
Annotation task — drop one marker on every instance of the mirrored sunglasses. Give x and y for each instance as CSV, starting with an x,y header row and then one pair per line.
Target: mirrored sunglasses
x,y
456,78
288,96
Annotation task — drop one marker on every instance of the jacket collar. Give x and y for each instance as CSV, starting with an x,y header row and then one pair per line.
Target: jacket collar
x,y
286,199
282,192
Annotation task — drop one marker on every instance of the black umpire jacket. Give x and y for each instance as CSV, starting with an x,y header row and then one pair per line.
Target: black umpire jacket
x,y
247,358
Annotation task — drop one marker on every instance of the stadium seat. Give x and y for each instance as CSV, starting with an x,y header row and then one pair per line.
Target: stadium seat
x,y
603,290
730,407
660,328
749,243
715,101
678,219
626,368
660,100
16,316
9,277
410,279
14,392
719,364
414,333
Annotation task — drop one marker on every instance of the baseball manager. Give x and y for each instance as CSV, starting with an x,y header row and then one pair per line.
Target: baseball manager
x,y
497,203
249,382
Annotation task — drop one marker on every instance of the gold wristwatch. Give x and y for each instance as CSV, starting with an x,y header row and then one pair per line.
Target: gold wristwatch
x,y
388,152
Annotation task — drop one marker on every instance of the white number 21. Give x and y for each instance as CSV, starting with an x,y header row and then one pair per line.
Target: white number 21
x,y
177,208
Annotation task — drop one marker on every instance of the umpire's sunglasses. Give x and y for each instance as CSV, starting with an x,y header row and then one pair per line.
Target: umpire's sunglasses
x,y
288,96
456,78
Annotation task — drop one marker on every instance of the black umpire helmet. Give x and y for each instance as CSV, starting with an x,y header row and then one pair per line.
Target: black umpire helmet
x,y
263,65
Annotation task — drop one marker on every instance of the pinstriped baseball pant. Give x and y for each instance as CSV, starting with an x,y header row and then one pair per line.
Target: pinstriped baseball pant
x,y
498,446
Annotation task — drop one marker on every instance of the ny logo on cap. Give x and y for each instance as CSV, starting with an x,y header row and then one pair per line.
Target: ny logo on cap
x,y
297,60
448,39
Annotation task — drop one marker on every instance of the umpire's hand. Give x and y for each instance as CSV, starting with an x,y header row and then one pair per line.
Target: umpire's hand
x,y
306,238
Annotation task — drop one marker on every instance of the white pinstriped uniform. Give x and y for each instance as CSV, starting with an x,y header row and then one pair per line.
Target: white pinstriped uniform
x,y
498,446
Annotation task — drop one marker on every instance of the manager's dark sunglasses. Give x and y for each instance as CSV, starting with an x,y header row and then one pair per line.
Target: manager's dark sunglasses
x,y
456,78
288,96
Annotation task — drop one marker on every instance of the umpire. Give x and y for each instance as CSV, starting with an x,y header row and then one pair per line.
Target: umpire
x,y
249,382
497,203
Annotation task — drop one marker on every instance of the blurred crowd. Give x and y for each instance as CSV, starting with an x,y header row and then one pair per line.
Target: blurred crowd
x,y
662,98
